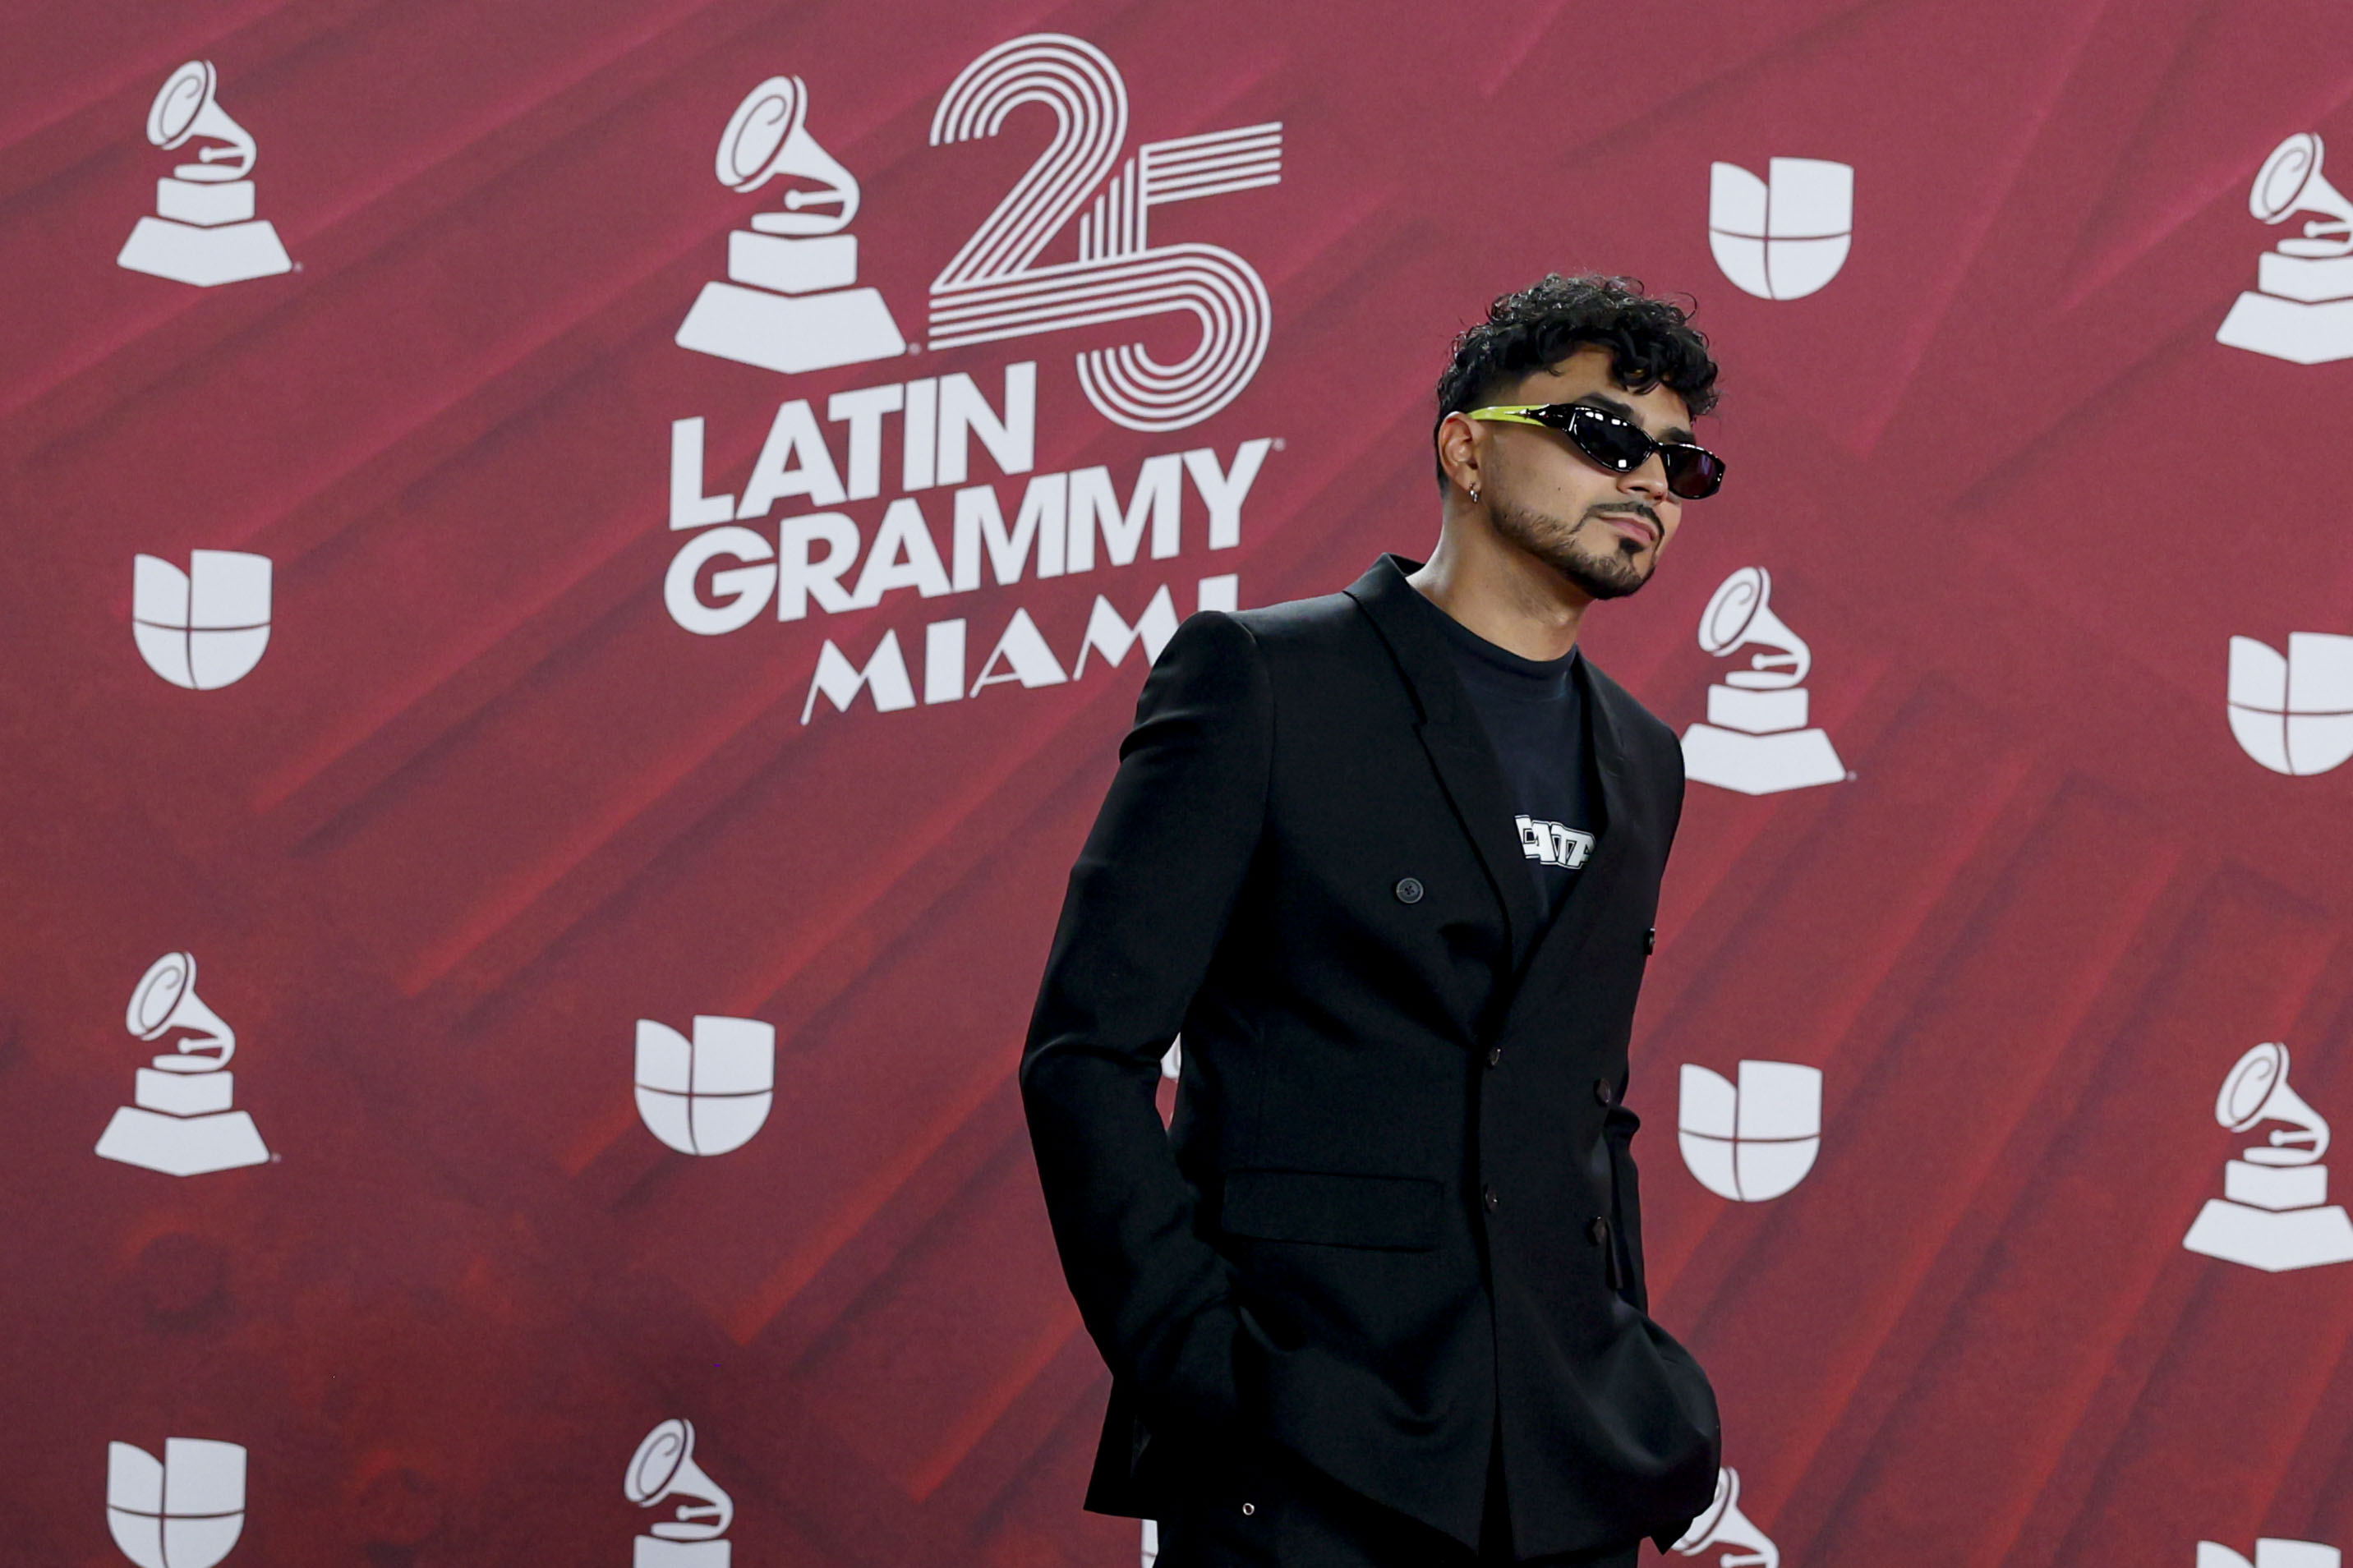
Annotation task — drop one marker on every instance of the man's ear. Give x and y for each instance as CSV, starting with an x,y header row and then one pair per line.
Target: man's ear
x,y
1458,451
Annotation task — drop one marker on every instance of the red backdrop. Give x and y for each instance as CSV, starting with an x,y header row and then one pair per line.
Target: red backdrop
x,y
483,804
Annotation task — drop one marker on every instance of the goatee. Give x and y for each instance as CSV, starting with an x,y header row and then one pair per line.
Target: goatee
x,y
1611,574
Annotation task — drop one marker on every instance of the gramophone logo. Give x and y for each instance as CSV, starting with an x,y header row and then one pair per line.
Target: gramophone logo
x,y
1785,237
1756,1142
2294,715
205,231
790,304
2275,1213
709,1095
1756,739
205,628
185,1513
182,1124
2301,307
2271,1553
1725,1531
664,1471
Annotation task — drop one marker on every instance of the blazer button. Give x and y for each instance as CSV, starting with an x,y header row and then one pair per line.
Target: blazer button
x,y
1650,942
1408,890
1601,1090
1491,1198
1599,1231
1494,1055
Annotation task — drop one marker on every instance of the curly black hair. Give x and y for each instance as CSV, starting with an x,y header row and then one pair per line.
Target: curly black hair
x,y
1651,342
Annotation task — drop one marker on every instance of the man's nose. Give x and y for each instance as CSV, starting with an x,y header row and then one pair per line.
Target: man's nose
x,y
1649,479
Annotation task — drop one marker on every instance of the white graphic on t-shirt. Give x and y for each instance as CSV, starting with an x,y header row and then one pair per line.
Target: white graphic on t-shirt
x,y
1553,843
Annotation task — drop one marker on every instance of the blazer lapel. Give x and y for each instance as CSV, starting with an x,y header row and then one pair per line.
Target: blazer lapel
x,y
1617,835
1458,746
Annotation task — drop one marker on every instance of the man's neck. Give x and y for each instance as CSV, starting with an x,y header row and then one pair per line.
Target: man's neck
x,y
1505,594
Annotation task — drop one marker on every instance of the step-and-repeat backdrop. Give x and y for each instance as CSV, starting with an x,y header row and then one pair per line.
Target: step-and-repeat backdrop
x,y
574,572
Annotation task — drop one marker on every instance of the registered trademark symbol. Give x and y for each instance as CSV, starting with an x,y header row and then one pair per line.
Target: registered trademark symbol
x,y
915,348
1278,443
298,266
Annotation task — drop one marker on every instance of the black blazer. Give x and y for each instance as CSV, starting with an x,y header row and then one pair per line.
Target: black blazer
x,y
1396,1205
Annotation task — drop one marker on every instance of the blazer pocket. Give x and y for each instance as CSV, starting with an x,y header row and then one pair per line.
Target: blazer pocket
x,y
1398,1213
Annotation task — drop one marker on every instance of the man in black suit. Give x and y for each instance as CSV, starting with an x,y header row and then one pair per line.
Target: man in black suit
x,y
1390,860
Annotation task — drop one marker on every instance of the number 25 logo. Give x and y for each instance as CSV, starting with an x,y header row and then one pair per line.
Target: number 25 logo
x,y
790,303
992,289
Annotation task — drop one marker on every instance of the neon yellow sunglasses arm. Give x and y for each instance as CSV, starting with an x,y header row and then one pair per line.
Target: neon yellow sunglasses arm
x,y
1512,413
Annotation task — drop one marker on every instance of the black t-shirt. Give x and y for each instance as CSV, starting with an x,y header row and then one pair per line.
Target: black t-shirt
x,y
1534,712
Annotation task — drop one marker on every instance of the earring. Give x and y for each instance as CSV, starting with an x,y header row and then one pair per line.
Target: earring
x,y
1474,495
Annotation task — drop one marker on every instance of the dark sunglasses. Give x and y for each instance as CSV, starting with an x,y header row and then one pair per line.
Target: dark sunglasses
x,y
1693,473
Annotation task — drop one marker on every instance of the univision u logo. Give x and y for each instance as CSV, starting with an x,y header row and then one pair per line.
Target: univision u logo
x,y
2293,713
711,1094
2271,1552
184,1512
1785,237
1756,1142
205,628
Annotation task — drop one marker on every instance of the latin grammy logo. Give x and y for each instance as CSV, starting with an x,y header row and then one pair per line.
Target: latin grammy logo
x,y
185,1512
182,1124
2271,1553
711,1094
1724,1528
2294,715
789,305
1755,740
205,231
1785,239
1754,1143
206,627
2275,1213
664,1469
2301,307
